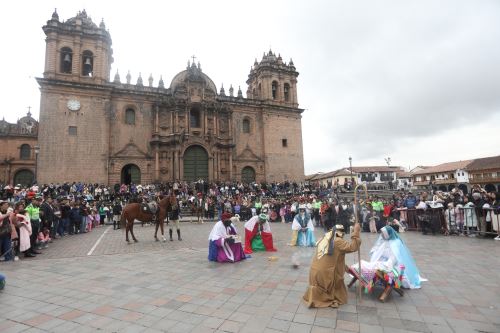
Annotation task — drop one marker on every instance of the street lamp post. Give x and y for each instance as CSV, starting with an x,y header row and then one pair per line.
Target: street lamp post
x,y
37,151
350,167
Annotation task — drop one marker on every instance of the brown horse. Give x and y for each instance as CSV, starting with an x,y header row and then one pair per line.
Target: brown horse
x,y
133,211
197,209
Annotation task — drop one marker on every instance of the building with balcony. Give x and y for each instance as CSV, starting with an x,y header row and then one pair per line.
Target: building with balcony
x,y
443,177
485,172
377,177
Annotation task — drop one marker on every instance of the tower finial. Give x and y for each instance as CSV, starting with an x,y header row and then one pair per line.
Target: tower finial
x,y
139,80
55,16
117,77
128,77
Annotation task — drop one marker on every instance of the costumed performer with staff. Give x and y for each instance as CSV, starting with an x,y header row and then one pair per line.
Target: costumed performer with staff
x,y
326,276
258,236
224,242
302,229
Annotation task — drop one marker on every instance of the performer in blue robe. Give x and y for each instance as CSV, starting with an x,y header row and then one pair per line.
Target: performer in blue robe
x,y
302,229
390,248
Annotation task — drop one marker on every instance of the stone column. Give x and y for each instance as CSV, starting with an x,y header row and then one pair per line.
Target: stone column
x,y
157,164
157,119
176,166
230,166
211,174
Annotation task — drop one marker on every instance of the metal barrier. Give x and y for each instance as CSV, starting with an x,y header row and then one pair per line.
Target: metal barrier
x,y
468,221
480,221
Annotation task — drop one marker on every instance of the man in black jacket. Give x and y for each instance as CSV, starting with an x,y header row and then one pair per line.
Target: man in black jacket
x,y
117,212
47,214
330,217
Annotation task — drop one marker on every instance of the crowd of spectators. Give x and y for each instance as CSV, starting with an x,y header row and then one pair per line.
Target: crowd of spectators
x,y
32,217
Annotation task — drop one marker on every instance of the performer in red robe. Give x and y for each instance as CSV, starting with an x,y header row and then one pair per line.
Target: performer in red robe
x,y
258,236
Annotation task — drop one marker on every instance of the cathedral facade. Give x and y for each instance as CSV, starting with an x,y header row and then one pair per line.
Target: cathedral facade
x,y
98,130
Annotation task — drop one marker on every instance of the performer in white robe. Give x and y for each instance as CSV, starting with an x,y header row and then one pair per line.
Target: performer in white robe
x,y
224,242
391,252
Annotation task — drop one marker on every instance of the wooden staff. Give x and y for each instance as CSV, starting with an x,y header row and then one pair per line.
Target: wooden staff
x,y
357,221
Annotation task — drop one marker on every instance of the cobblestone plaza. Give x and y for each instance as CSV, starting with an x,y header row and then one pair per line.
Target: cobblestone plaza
x,y
96,282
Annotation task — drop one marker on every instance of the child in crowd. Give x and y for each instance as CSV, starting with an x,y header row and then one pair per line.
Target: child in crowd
x,y
97,218
43,239
90,221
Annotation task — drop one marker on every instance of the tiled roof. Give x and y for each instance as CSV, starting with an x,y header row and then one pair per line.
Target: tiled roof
x,y
310,177
403,174
344,172
485,163
445,167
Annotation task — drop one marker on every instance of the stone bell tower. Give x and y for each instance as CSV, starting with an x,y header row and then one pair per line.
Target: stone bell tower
x,y
75,101
77,50
273,81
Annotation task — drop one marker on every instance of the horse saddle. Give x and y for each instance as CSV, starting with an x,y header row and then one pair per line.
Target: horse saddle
x,y
149,208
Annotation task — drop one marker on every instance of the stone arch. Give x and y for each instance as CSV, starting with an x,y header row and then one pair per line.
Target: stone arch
x,y
130,116
442,188
286,92
24,177
195,117
248,174
274,89
246,125
130,173
25,152
66,63
87,63
195,160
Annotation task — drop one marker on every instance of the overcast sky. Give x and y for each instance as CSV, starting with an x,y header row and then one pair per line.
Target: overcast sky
x,y
416,81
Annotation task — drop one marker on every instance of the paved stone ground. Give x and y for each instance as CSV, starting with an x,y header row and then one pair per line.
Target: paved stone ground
x,y
171,287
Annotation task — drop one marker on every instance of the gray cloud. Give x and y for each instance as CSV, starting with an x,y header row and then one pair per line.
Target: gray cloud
x,y
375,76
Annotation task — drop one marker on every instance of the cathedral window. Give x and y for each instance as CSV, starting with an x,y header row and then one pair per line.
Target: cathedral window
x,y
66,60
195,118
274,88
286,91
246,125
87,63
284,142
72,130
130,117
25,152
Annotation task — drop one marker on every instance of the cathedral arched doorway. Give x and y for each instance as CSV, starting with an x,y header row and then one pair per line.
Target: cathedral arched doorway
x,y
248,175
131,174
195,163
24,177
